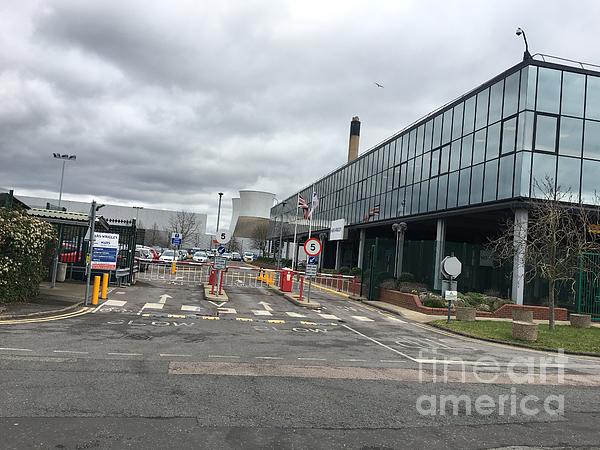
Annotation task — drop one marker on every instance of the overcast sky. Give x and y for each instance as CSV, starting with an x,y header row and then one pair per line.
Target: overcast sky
x,y
167,103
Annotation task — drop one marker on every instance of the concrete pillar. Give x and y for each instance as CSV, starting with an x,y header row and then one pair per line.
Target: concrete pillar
x,y
440,244
338,256
519,241
361,248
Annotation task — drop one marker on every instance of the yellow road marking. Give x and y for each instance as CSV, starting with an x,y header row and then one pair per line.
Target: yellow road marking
x,y
244,319
331,290
84,310
276,321
210,318
304,322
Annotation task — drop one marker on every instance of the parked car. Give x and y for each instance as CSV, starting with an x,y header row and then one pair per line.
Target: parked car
x,y
249,257
147,253
226,255
182,255
235,256
168,256
200,256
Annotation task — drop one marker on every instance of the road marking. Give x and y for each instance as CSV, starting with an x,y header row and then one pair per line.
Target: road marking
x,y
379,343
312,359
153,306
392,361
295,314
163,298
266,305
71,351
80,312
353,360
191,308
227,311
276,321
394,319
329,316
244,319
210,318
125,354
120,292
118,303
260,312
10,349
304,322
217,304
173,355
268,357
362,318
222,356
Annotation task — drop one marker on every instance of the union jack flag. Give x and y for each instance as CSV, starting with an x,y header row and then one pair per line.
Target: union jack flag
x,y
303,206
374,211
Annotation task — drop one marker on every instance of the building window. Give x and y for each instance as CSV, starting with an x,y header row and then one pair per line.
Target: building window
x,y
466,151
589,182
428,132
493,142
545,133
457,121
592,102
573,94
445,159
435,162
505,177
426,165
476,184
542,173
418,169
567,179
452,190
442,192
455,155
496,94
548,90
447,127
420,132
479,146
522,174
511,95
464,187
437,131
491,181
591,142
469,119
509,135
482,109
432,194
570,136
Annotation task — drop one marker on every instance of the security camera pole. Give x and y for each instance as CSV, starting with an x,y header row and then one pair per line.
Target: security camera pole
x,y
526,54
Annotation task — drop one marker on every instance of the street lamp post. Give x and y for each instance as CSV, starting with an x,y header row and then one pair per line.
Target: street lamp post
x,y
137,212
64,159
280,236
526,54
399,228
218,217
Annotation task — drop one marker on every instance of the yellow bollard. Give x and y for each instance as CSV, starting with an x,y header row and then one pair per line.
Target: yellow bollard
x,y
173,268
95,290
271,278
104,286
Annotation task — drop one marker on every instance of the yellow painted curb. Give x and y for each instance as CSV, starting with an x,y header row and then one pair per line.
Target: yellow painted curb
x,y
333,291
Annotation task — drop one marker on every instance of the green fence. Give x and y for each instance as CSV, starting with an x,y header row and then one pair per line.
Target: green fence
x,y
588,286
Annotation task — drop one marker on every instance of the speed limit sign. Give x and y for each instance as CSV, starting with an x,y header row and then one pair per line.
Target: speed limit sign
x,y
312,247
223,237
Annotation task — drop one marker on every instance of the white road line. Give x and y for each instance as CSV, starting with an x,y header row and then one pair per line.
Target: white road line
x,y
190,308
227,311
153,306
379,343
71,351
438,343
394,319
260,312
115,302
222,356
329,316
353,360
125,354
312,359
295,314
10,349
268,357
120,292
362,318
392,361
172,354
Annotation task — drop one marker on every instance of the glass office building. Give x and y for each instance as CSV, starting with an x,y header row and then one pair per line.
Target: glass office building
x,y
482,153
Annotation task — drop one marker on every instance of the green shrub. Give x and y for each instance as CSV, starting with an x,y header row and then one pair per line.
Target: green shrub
x,y
433,301
355,271
329,271
406,277
26,248
344,270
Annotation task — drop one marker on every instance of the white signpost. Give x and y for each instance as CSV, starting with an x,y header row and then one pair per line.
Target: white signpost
x,y
105,250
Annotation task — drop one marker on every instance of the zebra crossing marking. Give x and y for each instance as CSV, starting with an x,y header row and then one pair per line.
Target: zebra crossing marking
x,y
295,314
191,308
115,302
153,306
362,318
261,312
329,316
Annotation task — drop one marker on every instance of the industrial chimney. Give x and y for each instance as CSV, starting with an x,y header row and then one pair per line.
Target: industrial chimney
x,y
354,137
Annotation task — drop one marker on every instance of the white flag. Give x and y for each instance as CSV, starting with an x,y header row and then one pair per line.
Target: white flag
x,y
313,205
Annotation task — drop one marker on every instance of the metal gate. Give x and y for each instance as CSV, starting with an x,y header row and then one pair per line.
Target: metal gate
x,y
378,265
588,290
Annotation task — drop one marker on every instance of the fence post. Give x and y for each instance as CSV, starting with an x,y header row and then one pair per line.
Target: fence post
x,y
301,279
354,285
339,287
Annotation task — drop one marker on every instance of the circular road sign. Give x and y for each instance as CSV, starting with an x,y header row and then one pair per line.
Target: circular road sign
x,y
312,247
223,237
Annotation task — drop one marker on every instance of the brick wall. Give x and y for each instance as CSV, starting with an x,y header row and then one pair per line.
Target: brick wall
x,y
413,302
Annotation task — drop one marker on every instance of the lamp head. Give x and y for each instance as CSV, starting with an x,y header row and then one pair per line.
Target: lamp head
x,y
519,31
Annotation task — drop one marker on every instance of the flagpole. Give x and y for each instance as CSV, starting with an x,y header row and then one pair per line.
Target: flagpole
x,y
295,233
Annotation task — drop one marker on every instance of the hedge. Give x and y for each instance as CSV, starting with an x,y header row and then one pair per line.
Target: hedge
x,y
26,248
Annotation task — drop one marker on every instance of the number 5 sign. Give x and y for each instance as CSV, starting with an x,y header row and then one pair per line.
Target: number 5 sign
x,y
312,247
223,236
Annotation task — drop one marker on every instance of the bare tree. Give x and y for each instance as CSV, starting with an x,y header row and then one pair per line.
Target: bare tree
x,y
260,236
185,223
234,245
552,241
153,236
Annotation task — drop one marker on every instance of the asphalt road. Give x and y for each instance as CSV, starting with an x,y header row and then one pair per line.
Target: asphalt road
x,y
159,367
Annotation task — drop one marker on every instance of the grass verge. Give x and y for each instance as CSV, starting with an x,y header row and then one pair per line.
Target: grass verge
x,y
576,340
